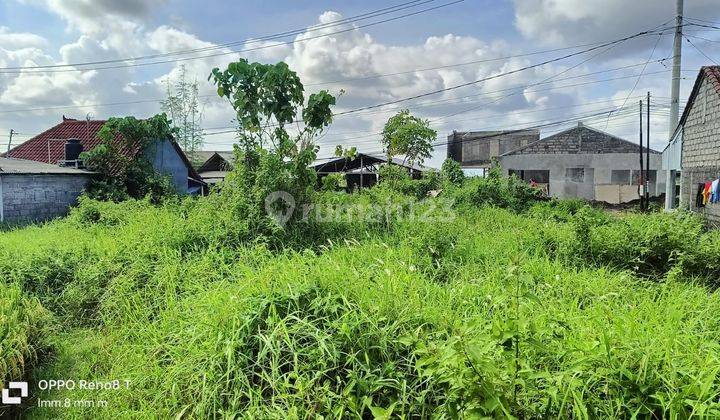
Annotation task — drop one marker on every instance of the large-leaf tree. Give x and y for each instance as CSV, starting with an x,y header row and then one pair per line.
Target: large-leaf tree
x,y
408,136
276,131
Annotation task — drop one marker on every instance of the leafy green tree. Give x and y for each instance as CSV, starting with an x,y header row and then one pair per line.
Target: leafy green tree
x,y
123,167
276,132
452,173
349,153
409,136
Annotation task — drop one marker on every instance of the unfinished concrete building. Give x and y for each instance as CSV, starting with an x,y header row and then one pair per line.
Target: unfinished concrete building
x,y
584,162
477,149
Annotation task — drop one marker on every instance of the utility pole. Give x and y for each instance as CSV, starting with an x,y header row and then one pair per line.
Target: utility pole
x,y
675,87
647,156
670,173
9,142
642,172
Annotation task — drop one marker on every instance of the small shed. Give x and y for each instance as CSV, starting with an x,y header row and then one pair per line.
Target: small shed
x,y
31,191
213,167
362,170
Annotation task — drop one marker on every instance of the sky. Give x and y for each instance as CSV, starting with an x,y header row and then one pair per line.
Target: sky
x,y
367,53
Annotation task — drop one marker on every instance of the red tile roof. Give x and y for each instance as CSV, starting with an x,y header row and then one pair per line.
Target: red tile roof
x,y
49,146
713,75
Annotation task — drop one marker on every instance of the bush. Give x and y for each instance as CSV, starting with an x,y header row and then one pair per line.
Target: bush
x,y
333,182
564,210
700,259
647,244
119,176
452,174
496,190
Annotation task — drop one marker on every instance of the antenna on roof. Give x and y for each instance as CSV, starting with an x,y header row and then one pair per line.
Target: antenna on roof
x,y
88,117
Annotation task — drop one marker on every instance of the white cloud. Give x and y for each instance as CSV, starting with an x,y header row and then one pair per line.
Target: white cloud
x,y
569,22
17,40
97,16
114,31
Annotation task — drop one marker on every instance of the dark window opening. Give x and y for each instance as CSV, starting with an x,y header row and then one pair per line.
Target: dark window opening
x,y
620,176
532,175
575,174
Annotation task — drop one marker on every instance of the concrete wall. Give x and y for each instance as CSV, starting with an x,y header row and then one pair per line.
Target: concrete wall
x,y
39,197
701,149
598,167
166,160
477,149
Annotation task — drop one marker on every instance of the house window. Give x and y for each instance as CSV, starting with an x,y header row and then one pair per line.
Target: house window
x,y
620,176
575,174
538,175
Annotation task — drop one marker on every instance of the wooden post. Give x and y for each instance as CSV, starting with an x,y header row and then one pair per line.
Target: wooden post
x,y
362,168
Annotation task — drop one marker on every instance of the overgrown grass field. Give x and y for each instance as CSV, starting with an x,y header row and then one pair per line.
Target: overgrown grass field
x,y
508,308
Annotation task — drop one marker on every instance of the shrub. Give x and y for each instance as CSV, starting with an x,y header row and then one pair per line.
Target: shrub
x,y
496,190
452,174
121,176
647,244
564,210
700,259
333,182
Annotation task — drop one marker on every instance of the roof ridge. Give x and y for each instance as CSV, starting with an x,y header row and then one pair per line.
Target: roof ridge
x,y
568,140
614,136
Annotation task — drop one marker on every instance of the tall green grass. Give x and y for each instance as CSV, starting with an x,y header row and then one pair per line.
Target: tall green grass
x,y
481,315
24,330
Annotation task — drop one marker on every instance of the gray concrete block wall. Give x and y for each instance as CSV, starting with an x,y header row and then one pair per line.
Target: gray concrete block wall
x,y
40,196
477,149
598,168
691,179
701,149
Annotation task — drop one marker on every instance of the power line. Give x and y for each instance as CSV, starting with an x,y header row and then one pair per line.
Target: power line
x,y
227,130
538,126
233,129
700,51
544,80
142,101
350,19
640,75
702,38
624,113
24,69
487,60
484,79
